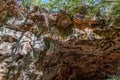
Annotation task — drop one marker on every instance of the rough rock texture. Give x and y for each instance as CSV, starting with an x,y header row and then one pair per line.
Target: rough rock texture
x,y
83,60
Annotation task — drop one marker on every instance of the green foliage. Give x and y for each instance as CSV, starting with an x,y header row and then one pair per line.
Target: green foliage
x,y
26,2
113,79
116,10
105,7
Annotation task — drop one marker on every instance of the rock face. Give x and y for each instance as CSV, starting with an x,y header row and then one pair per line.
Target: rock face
x,y
83,60
28,57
